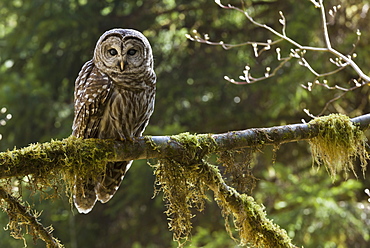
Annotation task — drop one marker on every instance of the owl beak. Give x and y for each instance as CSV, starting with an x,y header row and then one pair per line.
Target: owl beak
x,y
122,65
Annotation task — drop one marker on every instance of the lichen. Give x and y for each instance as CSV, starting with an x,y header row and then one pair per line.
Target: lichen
x,y
339,143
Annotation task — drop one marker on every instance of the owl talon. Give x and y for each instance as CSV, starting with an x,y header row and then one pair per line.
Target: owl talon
x,y
129,139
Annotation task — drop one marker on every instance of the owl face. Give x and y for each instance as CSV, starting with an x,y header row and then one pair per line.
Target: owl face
x,y
123,51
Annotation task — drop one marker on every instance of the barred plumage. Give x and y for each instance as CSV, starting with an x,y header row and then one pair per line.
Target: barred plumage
x,y
114,99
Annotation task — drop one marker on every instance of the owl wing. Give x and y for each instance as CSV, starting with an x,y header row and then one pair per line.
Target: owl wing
x,y
92,89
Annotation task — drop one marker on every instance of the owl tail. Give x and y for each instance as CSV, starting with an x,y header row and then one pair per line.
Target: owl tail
x,y
84,196
112,180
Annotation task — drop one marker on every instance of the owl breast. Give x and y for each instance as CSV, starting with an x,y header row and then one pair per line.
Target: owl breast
x,y
126,114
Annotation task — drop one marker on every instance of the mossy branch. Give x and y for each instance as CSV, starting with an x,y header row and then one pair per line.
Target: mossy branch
x,y
249,217
67,154
183,174
21,215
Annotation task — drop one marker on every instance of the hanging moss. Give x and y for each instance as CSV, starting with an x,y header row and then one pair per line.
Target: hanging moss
x,y
238,168
249,217
184,176
23,219
339,143
182,191
86,158
182,187
184,181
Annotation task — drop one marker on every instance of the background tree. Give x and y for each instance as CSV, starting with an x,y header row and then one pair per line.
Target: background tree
x,y
43,45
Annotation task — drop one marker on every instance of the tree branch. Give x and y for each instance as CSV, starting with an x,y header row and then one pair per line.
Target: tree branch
x,y
20,214
51,156
71,156
249,217
282,36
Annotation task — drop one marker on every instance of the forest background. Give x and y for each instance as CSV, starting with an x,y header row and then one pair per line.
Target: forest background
x,y
43,45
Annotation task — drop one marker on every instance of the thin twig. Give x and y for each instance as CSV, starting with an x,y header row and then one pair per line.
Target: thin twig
x,y
304,62
248,79
331,101
205,40
327,49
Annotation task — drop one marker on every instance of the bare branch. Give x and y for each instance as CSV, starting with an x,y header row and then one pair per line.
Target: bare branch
x,y
330,102
283,22
205,40
249,79
347,59
324,25
303,62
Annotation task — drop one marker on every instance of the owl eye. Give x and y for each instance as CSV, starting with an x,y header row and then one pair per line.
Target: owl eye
x,y
131,52
112,51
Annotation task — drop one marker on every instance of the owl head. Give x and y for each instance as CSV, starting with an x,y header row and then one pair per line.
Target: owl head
x,y
123,54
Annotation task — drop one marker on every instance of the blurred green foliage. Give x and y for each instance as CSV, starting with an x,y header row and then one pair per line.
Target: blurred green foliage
x,y
43,45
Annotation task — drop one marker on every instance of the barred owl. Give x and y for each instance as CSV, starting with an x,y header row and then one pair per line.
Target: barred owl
x,y
113,99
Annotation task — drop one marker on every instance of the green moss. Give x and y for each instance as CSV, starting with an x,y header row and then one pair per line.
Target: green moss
x,y
149,141
72,156
183,176
179,180
338,144
184,181
86,158
249,218
182,191
195,146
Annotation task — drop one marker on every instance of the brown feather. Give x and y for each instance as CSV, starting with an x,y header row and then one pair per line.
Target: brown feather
x,y
112,104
